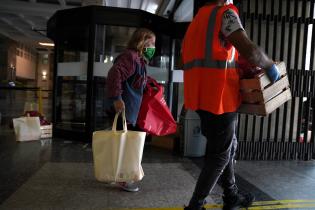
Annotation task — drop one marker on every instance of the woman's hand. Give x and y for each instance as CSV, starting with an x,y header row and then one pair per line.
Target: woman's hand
x,y
119,105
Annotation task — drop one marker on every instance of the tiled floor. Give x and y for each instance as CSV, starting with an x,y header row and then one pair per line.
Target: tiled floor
x,y
58,174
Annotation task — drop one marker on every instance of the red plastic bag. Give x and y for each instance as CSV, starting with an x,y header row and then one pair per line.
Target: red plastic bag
x,y
42,119
155,117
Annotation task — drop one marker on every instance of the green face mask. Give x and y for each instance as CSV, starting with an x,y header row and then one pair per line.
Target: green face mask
x,y
149,52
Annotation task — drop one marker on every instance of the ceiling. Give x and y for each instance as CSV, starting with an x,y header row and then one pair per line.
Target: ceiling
x,y
25,20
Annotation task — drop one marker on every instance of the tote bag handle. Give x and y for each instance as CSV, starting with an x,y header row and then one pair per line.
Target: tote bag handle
x,y
114,128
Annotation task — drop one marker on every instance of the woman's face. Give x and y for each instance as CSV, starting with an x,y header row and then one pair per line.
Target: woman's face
x,y
150,42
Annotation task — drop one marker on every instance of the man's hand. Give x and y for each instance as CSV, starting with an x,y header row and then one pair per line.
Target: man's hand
x,y
273,73
119,105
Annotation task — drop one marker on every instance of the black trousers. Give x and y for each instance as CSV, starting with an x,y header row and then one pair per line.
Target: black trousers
x,y
219,161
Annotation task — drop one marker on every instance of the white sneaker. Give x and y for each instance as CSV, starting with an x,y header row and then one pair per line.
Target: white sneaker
x,y
128,186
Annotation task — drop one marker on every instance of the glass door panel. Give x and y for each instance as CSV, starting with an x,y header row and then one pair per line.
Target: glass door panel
x,y
72,80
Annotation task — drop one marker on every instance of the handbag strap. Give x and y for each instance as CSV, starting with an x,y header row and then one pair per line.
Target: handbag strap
x,y
124,122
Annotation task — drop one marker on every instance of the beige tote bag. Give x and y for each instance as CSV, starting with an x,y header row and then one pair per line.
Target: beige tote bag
x,y
117,154
27,128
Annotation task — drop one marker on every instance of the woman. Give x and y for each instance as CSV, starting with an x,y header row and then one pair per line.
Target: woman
x,y
127,78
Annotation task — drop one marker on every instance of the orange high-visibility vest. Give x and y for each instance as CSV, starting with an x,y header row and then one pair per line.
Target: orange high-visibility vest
x,y
211,79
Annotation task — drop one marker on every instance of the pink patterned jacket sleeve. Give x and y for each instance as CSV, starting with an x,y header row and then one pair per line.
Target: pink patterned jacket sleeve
x,y
122,69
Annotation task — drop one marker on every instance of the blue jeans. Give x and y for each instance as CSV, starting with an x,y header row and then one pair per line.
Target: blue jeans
x,y
219,160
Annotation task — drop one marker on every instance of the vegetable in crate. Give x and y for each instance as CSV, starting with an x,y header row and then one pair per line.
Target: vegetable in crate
x,y
247,70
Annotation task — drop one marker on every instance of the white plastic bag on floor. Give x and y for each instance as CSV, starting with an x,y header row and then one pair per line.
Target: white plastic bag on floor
x,y
117,154
27,128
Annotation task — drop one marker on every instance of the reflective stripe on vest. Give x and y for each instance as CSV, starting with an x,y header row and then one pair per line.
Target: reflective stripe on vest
x,y
208,62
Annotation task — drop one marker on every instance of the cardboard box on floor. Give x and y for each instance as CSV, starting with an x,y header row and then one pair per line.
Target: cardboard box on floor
x,y
261,97
165,142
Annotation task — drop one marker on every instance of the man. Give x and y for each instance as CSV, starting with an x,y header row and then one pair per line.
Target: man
x,y
211,87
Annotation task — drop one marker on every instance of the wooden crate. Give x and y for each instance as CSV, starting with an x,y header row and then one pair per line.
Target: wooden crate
x,y
261,97
46,131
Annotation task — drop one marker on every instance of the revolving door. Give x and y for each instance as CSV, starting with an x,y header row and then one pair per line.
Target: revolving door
x,y
87,40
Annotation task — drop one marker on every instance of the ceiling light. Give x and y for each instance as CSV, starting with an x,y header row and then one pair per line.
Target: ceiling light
x,y
46,44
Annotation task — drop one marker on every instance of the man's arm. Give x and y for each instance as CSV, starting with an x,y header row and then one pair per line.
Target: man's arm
x,y
253,54
250,51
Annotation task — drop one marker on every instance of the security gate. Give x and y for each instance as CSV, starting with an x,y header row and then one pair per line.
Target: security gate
x,y
284,29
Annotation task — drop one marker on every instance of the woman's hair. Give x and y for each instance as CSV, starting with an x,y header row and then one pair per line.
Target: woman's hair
x,y
138,39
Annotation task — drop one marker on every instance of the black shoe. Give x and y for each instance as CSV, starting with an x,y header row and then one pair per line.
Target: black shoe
x,y
188,208
236,201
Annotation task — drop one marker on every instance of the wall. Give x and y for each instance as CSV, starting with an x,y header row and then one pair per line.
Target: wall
x,y
7,59
25,62
44,67
27,66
